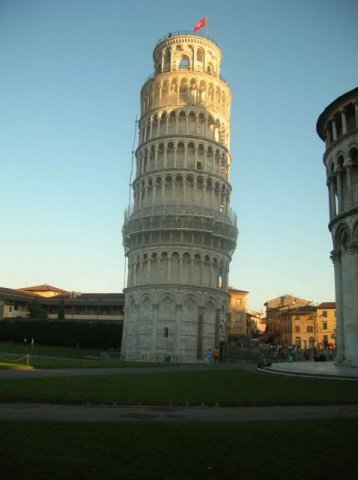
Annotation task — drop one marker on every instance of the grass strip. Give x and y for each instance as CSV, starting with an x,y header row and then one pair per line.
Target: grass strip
x,y
260,450
225,387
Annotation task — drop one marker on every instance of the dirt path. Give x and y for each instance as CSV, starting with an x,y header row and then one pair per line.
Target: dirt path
x,y
152,414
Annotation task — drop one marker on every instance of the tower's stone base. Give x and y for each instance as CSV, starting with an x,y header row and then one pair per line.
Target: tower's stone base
x,y
173,323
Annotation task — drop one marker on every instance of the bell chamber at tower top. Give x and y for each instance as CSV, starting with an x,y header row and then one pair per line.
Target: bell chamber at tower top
x,y
186,72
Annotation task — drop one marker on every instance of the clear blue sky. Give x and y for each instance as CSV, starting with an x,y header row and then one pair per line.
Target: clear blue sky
x,y
70,77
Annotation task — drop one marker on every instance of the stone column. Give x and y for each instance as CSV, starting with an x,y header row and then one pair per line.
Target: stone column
x,y
339,190
178,316
180,266
148,268
217,327
154,328
210,274
337,261
163,190
199,344
356,112
344,122
156,158
349,186
191,269
151,127
351,308
165,155
174,190
169,265
334,129
332,201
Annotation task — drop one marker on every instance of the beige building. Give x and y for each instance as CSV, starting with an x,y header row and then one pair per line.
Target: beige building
x,y
337,126
326,324
297,327
238,325
297,322
15,304
275,309
180,233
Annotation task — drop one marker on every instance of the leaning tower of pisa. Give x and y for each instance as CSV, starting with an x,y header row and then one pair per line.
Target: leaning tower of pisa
x,y
180,233
338,127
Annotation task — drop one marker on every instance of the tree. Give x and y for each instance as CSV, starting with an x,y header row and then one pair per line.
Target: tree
x,y
61,310
37,311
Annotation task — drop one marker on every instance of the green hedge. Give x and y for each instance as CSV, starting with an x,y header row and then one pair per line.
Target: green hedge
x,y
62,333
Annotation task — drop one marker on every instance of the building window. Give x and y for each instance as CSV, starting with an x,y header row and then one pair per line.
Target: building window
x,y
324,326
166,332
297,329
238,301
184,63
324,313
309,328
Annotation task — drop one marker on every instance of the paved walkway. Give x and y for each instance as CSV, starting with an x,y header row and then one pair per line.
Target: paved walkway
x,y
314,369
73,372
152,414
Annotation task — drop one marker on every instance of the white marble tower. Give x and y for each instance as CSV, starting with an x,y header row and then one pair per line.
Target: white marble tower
x,y
338,127
180,233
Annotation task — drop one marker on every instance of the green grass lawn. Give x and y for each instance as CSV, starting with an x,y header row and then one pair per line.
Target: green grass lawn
x,y
287,450
225,387
277,450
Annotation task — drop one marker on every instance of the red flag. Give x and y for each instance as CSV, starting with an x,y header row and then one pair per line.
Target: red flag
x,y
201,24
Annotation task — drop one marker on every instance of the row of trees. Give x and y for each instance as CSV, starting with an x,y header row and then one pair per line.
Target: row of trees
x,y
103,335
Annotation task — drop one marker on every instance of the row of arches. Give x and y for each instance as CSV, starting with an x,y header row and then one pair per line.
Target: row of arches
x,y
342,158
181,188
149,232
342,181
183,154
341,122
178,323
186,90
184,122
345,237
178,297
178,267
188,55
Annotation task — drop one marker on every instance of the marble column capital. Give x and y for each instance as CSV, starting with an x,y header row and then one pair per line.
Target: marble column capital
x,y
335,256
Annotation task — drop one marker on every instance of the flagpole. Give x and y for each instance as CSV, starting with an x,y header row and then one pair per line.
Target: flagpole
x,y
207,26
